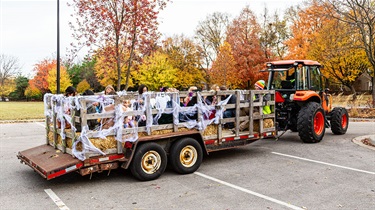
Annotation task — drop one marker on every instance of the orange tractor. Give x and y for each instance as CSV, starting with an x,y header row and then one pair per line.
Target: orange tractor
x,y
302,103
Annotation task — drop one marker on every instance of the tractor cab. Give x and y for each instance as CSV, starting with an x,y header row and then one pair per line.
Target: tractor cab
x,y
300,98
294,78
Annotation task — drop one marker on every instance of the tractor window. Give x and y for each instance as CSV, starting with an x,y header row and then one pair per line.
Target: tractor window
x,y
302,78
278,77
315,78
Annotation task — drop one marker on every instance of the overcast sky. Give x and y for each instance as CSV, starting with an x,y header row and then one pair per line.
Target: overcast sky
x,y
28,28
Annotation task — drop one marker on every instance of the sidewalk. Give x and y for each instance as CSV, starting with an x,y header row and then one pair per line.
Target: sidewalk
x,y
365,141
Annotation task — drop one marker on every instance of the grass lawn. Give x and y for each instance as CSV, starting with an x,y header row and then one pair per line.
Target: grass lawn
x,y
21,110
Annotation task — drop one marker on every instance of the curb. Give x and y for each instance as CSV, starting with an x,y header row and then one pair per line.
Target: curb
x,y
361,119
371,138
21,121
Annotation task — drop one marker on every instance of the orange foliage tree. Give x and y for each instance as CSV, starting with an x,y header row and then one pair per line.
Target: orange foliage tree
x,y
306,23
243,37
223,71
40,80
128,26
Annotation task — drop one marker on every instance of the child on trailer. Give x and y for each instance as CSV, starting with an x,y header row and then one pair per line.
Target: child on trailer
x,y
128,120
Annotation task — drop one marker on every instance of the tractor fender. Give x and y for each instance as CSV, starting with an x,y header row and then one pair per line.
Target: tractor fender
x,y
304,96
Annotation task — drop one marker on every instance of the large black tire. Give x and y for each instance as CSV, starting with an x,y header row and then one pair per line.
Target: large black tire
x,y
186,155
311,123
149,162
339,120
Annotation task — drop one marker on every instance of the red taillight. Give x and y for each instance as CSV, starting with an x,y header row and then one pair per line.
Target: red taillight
x,y
279,98
128,145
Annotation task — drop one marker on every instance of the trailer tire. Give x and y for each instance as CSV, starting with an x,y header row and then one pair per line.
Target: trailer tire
x,y
339,120
186,156
149,162
311,123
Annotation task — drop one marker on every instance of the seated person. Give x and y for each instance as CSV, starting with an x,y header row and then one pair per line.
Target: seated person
x,y
90,110
128,120
228,113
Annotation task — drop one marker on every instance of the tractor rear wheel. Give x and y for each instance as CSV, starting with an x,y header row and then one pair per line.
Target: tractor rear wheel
x,y
339,120
311,123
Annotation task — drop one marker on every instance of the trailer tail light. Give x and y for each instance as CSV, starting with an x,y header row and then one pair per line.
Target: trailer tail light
x,y
279,98
128,145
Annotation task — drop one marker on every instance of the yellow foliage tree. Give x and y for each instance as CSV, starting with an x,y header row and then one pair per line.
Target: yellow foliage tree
x,y
105,69
33,92
185,56
337,48
82,86
8,87
64,80
156,72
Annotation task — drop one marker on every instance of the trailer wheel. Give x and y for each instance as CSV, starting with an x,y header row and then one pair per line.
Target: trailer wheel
x,y
149,162
186,156
311,123
339,120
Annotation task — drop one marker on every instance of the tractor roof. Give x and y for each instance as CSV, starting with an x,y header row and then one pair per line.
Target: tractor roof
x,y
291,62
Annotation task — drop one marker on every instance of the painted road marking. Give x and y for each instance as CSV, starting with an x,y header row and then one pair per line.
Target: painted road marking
x,y
330,164
56,199
41,124
248,191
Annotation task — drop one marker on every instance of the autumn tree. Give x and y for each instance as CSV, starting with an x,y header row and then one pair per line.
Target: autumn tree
x,y
9,68
104,68
243,37
32,92
126,27
336,48
64,80
223,68
83,86
184,55
210,35
156,71
361,15
306,21
40,80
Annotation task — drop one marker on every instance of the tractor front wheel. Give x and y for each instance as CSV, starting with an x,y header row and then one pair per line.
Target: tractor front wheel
x,y
339,120
311,123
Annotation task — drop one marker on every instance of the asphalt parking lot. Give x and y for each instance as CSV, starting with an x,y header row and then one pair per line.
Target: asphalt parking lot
x,y
268,174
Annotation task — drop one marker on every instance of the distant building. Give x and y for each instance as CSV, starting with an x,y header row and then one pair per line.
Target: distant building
x,y
363,83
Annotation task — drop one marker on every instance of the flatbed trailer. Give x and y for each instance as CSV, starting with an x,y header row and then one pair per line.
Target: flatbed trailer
x,y
191,132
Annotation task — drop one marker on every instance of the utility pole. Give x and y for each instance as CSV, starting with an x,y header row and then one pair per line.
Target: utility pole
x,y
58,49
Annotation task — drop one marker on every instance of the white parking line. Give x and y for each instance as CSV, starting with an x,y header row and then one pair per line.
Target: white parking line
x,y
56,199
41,124
330,164
248,191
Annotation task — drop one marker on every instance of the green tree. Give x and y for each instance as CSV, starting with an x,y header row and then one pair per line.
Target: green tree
x,y
21,84
156,71
85,71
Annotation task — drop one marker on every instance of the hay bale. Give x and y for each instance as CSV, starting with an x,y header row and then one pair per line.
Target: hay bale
x,y
210,130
